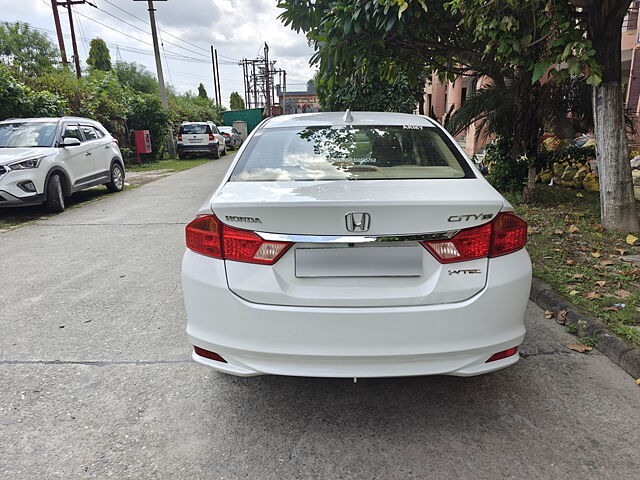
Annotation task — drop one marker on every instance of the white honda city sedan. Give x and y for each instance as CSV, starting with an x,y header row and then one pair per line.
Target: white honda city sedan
x,y
355,245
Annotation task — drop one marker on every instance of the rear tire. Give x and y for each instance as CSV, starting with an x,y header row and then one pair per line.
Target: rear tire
x,y
216,153
55,195
181,156
224,150
117,179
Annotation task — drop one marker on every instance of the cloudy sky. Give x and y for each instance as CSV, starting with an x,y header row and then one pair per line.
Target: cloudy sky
x,y
237,28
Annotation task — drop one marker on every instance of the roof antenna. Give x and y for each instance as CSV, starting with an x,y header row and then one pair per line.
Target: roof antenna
x,y
348,118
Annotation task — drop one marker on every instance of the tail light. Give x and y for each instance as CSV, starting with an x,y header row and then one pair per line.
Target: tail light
x,y
505,234
211,137
225,134
208,236
115,140
179,137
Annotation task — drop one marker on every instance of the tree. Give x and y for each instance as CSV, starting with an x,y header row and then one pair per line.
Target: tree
x,y
372,93
137,77
20,100
602,21
99,56
511,42
202,93
27,52
236,102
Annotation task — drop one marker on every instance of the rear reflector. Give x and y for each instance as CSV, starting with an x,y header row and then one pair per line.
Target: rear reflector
x,y
505,234
504,354
207,354
208,236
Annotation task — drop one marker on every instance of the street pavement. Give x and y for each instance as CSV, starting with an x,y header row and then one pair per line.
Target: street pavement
x,y
96,379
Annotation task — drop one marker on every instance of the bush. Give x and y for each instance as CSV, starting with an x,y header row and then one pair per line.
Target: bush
x,y
507,174
145,112
19,100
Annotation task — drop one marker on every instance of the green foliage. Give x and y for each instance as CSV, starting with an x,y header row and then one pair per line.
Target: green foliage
x,y
137,77
145,112
371,93
19,100
27,52
236,102
508,174
192,108
99,56
202,92
76,92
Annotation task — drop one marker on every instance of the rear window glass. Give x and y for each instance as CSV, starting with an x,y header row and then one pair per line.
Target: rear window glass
x,y
195,129
350,153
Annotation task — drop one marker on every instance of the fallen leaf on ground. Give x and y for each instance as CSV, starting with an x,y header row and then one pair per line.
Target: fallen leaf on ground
x,y
592,295
601,283
558,232
579,348
621,251
548,314
531,230
570,262
574,292
573,229
638,381
578,275
622,293
631,239
596,254
611,308
562,316
579,195
606,263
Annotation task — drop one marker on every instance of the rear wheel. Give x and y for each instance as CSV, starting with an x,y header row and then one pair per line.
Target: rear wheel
x,y
216,152
224,150
117,179
55,196
181,156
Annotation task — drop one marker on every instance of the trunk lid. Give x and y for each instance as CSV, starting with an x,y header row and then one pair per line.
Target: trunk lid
x,y
353,274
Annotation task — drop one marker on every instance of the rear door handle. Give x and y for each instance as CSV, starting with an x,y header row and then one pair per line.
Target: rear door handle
x,y
107,146
87,154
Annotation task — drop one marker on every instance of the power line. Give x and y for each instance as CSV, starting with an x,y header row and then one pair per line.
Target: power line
x,y
160,29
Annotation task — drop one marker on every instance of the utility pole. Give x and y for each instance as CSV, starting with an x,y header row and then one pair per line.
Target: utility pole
x,y
267,86
215,81
219,94
163,93
76,57
56,20
284,92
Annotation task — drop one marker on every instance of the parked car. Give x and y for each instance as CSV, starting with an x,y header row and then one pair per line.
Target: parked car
x,y
232,137
200,138
44,160
355,245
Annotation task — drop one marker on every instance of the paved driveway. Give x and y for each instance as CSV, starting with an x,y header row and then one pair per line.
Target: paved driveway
x,y
96,378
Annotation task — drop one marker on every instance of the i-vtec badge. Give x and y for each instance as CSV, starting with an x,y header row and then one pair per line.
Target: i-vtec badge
x,y
231,218
471,216
469,271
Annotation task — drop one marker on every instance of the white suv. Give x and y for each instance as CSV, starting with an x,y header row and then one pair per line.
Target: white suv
x,y
44,160
355,245
200,138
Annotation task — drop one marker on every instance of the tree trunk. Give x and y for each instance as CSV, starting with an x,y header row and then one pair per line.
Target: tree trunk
x,y
617,203
530,194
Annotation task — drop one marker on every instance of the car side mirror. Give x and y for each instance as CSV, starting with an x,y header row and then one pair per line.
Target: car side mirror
x,y
70,142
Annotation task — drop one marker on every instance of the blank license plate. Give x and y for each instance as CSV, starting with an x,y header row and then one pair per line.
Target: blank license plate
x,y
359,262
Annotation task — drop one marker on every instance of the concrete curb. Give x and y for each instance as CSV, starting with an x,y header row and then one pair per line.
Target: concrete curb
x,y
620,352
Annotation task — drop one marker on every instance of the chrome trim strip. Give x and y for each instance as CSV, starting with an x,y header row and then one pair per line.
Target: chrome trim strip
x,y
418,237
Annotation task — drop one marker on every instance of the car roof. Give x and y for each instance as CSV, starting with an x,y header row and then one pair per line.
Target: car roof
x,y
196,123
338,119
49,119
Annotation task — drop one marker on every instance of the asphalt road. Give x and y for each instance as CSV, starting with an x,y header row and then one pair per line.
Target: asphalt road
x,y
96,378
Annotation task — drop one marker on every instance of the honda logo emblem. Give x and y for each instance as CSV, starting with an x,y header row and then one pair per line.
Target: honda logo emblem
x,y
358,222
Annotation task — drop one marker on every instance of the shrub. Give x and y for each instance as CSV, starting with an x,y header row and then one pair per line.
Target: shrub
x,y
20,100
507,174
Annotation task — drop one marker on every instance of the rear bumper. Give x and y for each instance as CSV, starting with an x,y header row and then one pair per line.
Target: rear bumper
x,y
197,148
451,339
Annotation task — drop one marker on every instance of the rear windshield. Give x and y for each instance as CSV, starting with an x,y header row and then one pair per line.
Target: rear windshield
x,y
195,129
225,129
27,134
350,153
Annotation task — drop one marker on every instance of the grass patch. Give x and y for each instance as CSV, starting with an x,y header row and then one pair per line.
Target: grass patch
x,y
572,252
169,164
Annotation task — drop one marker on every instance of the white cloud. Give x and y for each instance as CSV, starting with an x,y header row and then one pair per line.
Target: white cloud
x,y
237,28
